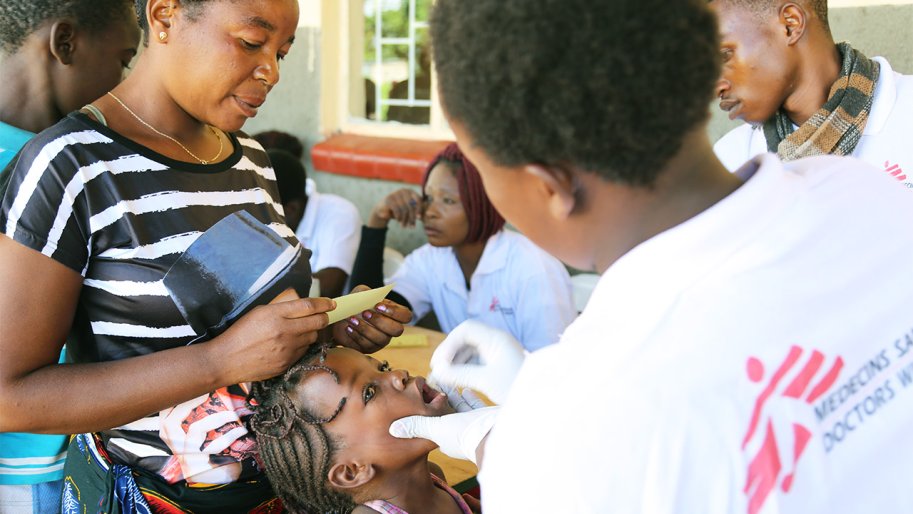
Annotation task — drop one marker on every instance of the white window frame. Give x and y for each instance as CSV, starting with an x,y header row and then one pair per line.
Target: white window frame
x,y
342,25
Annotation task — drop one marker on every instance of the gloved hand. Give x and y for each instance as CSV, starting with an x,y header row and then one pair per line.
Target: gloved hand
x,y
458,435
461,401
478,356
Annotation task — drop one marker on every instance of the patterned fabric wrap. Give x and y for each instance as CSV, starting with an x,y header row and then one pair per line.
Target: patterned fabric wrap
x,y
837,127
94,485
127,493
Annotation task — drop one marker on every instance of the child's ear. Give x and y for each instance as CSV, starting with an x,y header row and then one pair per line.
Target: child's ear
x,y
63,41
350,475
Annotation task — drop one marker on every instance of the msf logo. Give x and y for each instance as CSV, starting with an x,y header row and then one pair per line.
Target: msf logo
x,y
766,470
894,170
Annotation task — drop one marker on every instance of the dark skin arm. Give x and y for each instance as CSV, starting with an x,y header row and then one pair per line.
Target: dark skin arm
x,y
38,298
332,281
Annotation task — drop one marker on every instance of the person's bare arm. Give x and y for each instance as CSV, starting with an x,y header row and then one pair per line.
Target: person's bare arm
x,y
332,281
38,298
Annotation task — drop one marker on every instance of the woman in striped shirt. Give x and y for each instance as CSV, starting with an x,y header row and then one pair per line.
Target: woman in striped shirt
x,y
98,208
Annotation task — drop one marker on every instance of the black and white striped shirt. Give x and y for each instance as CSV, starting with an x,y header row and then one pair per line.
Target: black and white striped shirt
x,y
120,214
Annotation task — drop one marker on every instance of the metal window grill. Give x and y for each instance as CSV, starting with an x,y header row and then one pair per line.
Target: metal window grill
x,y
379,42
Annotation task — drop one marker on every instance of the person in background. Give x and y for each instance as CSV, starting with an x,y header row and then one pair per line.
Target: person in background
x,y
56,56
98,209
748,347
326,224
278,140
471,268
801,94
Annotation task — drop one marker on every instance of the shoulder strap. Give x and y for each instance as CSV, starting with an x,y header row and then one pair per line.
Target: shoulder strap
x,y
95,112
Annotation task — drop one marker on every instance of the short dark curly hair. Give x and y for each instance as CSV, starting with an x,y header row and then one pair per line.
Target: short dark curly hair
x,y
765,7
192,7
276,139
608,86
20,18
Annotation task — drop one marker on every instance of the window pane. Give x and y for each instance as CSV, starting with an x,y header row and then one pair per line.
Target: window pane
x,y
395,75
422,9
395,18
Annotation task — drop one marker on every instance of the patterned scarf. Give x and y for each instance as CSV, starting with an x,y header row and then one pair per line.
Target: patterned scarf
x,y
837,126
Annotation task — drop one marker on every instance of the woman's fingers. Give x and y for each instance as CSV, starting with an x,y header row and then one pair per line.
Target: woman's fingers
x,y
405,205
371,330
394,311
361,341
304,307
375,327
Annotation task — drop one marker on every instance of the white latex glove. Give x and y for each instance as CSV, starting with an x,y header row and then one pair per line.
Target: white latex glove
x,y
461,401
478,356
458,435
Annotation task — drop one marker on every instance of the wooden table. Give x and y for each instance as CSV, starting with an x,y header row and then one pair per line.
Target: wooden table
x,y
416,360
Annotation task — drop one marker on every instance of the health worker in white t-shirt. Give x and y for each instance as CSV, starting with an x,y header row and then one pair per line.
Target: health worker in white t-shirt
x,y
471,268
327,225
749,346
800,94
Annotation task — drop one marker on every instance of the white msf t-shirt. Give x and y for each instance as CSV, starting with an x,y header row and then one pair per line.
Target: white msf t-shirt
x,y
331,229
757,358
516,287
886,138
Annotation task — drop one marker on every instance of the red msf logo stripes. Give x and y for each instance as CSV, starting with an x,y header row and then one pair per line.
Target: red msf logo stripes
x,y
765,469
894,170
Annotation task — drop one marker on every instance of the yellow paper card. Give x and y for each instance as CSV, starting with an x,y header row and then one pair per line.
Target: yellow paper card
x,y
409,341
356,303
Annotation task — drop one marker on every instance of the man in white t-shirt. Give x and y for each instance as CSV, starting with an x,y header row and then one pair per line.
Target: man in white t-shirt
x,y
783,75
749,346
328,225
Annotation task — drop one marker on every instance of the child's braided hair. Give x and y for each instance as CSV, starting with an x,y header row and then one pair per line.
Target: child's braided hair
x,y
295,448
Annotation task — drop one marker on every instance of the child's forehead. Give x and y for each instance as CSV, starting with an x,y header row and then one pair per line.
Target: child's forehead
x,y
342,359
320,390
336,371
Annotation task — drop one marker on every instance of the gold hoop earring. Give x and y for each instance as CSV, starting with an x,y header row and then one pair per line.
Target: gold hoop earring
x,y
163,36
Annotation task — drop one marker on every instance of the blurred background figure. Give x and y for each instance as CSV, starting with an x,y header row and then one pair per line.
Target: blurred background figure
x,y
327,225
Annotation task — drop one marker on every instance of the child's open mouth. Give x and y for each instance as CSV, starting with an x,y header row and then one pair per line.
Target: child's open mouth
x,y
430,396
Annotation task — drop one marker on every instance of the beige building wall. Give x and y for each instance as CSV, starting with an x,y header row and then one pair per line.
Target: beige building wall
x,y
877,27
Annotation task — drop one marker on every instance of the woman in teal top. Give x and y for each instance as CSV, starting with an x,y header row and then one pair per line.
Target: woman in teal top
x,y
11,140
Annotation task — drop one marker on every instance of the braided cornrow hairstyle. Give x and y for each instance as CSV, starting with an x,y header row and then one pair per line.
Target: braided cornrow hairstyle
x,y
484,220
295,448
